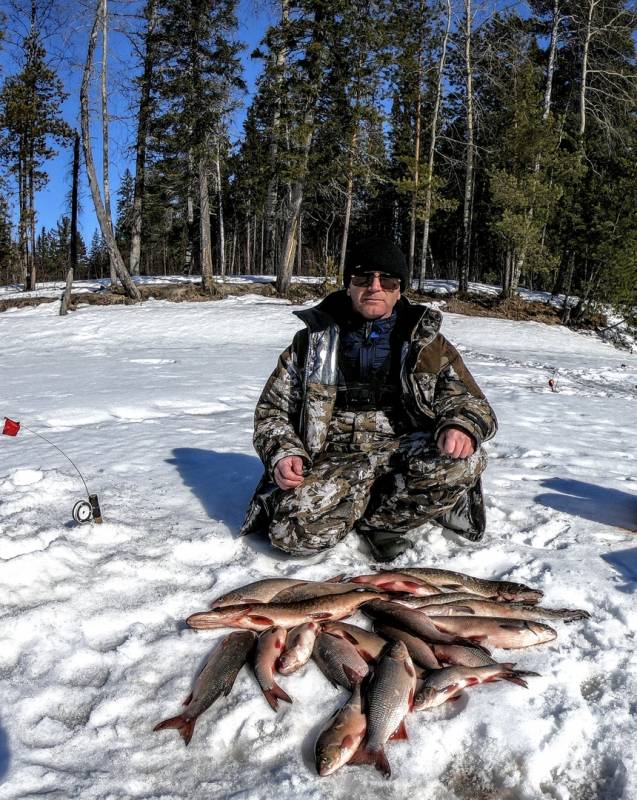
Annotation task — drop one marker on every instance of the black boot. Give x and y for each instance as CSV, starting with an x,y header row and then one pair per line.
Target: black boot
x,y
467,517
385,545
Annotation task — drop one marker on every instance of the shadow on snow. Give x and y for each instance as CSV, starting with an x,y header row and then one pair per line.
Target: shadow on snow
x,y
586,500
222,482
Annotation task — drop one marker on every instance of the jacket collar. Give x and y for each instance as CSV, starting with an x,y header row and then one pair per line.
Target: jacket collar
x,y
418,322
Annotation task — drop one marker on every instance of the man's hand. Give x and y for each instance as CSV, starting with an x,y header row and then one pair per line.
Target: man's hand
x,y
288,472
456,443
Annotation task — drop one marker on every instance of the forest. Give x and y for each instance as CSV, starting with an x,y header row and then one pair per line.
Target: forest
x,y
494,142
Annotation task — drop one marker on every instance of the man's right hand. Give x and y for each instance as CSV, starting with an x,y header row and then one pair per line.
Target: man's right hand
x,y
288,472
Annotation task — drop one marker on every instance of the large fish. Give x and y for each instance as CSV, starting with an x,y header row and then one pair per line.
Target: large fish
x,y
412,621
342,735
490,608
420,652
259,616
445,684
459,582
397,582
269,648
508,634
311,589
216,678
257,592
388,698
339,660
298,647
445,598
368,643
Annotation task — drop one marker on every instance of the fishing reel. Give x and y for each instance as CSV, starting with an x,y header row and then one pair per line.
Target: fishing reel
x,y
86,510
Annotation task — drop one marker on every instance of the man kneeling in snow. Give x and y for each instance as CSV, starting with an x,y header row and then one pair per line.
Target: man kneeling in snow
x,y
370,421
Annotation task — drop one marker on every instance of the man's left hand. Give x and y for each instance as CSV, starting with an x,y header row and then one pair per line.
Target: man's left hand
x,y
456,443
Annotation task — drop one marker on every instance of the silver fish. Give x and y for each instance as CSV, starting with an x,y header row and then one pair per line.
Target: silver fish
x,y
339,660
342,735
490,608
397,582
257,592
410,620
298,647
259,616
216,678
269,648
463,656
368,643
446,598
508,634
420,652
460,582
446,684
388,698
311,589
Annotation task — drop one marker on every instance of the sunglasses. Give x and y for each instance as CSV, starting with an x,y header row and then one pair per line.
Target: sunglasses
x,y
387,282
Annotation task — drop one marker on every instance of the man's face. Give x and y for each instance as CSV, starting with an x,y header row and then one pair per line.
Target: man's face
x,y
373,301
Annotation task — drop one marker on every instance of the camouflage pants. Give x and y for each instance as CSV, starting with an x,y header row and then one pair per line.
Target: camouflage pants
x,y
397,485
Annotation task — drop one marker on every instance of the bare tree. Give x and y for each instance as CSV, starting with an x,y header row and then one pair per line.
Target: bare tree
x,y
463,276
100,209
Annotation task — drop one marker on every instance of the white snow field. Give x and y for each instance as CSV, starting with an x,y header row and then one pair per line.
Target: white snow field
x,y
154,403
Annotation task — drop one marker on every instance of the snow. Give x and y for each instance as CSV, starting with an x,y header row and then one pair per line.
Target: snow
x,y
154,403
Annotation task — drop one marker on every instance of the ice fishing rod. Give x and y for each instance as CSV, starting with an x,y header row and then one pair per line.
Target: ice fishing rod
x,y
83,510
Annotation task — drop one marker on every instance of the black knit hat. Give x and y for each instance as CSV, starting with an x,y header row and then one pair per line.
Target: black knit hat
x,y
376,255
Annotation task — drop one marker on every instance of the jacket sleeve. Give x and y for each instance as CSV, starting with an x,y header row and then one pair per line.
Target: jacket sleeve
x,y
278,411
458,400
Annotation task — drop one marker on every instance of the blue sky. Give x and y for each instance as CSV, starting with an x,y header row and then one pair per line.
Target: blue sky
x,y
67,53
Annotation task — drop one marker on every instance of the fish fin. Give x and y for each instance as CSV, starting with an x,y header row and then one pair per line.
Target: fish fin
x,y
187,700
365,655
321,615
260,620
400,733
183,725
275,694
353,676
376,757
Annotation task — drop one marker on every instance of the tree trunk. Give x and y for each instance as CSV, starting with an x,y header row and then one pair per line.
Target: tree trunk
x,y
314,54
348,205
432,151
271,195
73,254
190,219
584,74
143,120
550,70
222,236
416,177
105,147
31,246
205,241
100,211
463,277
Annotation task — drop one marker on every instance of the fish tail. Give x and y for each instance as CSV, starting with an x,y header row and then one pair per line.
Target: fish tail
x,y
184,725
275,694
517,676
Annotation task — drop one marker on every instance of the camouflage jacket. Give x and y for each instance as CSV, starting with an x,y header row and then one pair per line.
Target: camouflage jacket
x,y
294,411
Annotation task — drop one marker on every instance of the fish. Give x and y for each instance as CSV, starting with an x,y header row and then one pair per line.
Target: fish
x,y
311,589
446,684
490,608
445,598
339,660
269,647
459,581
388,699
369,644
215,679
508,634
298,647
420,652
259,616
258,592
342,736
412,621
463,656
397,582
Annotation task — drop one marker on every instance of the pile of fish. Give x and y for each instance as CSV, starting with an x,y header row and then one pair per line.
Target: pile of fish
x,y
431,630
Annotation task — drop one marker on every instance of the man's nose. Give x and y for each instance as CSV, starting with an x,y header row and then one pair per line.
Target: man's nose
x,y
376,285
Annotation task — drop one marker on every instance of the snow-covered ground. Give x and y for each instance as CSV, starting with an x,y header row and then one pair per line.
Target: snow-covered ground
x,y
154,403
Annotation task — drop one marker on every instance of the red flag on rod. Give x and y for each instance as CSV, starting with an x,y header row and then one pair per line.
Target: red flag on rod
x,y
11,427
